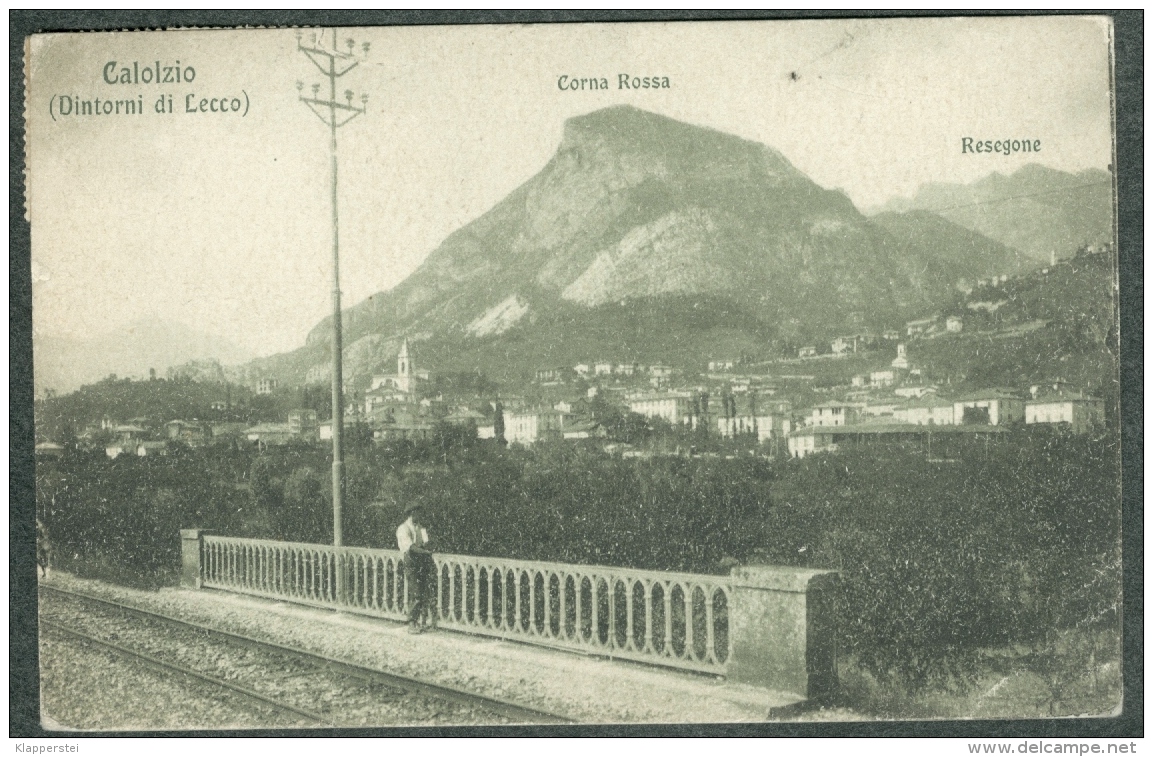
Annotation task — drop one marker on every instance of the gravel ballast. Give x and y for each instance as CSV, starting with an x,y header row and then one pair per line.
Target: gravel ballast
x,y
586,689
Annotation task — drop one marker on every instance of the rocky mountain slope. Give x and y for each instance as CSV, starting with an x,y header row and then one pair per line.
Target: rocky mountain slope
x,y
1036,210
637,213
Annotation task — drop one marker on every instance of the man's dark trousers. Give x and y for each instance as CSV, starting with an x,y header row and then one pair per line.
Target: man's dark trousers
x,y
420,572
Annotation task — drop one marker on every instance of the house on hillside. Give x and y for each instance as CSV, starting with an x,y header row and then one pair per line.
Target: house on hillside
x,y
411,430
954,324
129,433
674,407
582,369
602,369
583,428
228,430
266,385
880,407
835,414
189,432
529,427
993,407
806,441
929,411
720,366
324,428
551,375
843,345
766,427
151,449
922,327
269,434
807,351
303,424
1082,413
915,391
882,379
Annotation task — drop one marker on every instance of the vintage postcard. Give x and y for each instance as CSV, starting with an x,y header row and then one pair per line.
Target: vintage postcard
x,y
687,372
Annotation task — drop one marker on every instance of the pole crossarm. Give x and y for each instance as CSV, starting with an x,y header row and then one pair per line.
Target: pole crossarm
x,y
319,106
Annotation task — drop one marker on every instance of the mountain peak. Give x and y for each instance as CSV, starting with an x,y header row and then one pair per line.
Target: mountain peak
x,y
639,210
628,129
1036,209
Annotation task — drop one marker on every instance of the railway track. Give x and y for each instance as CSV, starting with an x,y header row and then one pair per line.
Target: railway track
x,y
164,667
299,684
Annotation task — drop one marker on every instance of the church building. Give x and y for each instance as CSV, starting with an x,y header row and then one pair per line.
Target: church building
x,y
398,387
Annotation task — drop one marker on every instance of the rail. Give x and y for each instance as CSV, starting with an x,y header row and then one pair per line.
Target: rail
x,y
678,620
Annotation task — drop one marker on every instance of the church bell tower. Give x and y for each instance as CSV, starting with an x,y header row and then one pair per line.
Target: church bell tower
x,y
404,368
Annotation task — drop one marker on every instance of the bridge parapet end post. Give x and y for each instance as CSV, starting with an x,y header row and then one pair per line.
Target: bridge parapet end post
x,y
783,626
191,550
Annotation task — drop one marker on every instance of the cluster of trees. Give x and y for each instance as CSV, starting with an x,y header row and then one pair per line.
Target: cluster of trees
x,y
941,562
1014,545
120,519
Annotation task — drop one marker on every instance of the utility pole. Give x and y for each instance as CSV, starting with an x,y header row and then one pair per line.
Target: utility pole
x,y
333,63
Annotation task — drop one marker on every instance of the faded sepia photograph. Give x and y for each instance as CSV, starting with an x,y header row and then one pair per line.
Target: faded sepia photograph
x,y
600,373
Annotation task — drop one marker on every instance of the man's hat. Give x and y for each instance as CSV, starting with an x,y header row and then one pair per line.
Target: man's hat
x,y
412,507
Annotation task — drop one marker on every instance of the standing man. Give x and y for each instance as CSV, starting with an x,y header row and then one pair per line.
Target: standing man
x,y
419,569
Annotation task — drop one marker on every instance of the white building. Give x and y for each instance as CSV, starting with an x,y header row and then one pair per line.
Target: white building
x,y
835,414
266,385
882,379
914,392
954,324
993,407
530,427
922,326
1081,413
766,427
926,412
602,369
674,407
881,408
845,344
719,366
809,351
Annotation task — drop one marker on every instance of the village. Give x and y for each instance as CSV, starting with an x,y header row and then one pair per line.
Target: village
x,y
726,400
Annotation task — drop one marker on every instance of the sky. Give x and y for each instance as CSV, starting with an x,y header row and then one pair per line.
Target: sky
x,y
223,221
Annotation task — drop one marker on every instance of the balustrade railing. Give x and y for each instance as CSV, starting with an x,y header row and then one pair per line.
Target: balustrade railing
x,y
677,620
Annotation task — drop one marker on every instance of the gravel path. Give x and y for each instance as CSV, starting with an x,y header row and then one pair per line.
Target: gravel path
x,y
587,689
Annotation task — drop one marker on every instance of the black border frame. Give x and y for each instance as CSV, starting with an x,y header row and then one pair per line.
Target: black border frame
x,y
24,684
